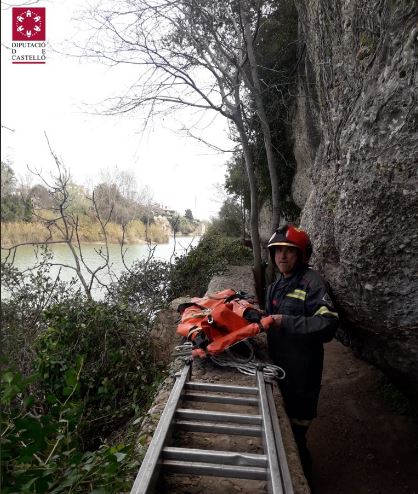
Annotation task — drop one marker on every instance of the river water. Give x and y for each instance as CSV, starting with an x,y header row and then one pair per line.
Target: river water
x,y
26,257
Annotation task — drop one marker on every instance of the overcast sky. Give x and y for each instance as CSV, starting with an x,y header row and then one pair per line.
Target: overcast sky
x,y
52,98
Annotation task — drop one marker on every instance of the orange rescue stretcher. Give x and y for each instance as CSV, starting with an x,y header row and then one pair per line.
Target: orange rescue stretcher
x,y
216,322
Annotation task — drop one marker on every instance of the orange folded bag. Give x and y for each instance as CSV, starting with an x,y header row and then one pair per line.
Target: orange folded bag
x,y
220,320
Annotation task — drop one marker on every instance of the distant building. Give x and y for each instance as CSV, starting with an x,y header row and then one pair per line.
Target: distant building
x,y
164,224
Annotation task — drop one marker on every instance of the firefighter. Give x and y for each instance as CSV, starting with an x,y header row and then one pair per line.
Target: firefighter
x,y
304,318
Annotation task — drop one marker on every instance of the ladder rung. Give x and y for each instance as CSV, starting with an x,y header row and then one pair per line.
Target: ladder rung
x,y
196,468
213,427
212,456
222,388
213,398
237,418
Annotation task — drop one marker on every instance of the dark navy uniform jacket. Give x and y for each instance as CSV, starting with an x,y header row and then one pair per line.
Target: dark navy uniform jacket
x,y
309,320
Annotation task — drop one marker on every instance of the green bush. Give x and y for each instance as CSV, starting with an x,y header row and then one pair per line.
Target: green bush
x,y
192,272
230,221
14,207
40,446
117,376
145,287
25,296
92,371
150,285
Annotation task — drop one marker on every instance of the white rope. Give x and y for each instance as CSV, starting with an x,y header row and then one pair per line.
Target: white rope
x,y
250,368
184,349
247,366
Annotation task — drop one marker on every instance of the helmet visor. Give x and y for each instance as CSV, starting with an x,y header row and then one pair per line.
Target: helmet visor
x,y
288,244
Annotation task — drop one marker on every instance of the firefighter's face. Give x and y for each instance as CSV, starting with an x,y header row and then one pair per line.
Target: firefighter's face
x,y
286,258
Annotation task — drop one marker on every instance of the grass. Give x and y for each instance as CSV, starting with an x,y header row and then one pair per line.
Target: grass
x,y
20,232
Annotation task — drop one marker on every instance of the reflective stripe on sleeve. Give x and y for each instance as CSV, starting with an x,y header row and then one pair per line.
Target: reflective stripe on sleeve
x,y
299,294
324,310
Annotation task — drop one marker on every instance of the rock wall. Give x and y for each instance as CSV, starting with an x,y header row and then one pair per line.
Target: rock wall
x,y
355,134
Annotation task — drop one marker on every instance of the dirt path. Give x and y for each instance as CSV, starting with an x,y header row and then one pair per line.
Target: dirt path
x,y
359,445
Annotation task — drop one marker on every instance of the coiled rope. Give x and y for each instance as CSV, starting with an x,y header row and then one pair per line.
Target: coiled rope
x,y
247,366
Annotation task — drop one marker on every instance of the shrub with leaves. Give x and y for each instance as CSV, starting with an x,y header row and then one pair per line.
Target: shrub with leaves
x,y
192,272
117,376
25,296
93,372
40,446
143,288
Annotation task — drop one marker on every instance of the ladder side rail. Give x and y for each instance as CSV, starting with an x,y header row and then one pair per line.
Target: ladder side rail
x,y
284,467
274,481
148,473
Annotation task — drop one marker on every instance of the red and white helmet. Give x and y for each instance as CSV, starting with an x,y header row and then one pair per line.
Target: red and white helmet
x,y
294,237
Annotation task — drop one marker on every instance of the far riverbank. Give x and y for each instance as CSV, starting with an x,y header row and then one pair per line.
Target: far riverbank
x,y
13,233
26,256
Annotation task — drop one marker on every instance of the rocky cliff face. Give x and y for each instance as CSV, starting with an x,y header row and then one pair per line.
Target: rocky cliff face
x,y
356,147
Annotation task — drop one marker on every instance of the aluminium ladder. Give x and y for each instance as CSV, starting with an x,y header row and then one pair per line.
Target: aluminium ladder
x,y
162,457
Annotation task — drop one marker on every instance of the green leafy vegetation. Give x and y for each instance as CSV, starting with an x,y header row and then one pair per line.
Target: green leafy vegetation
x,y
277,59
15,204
22,310
117,373
144,288
41,446
74,372
192,272
277,52
230,221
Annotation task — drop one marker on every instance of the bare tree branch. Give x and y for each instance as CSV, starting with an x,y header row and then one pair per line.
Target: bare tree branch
x,y
191,54
65,225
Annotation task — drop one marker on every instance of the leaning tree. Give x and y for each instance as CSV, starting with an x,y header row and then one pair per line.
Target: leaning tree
x,y
192,53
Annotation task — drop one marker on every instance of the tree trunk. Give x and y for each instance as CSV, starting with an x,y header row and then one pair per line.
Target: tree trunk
x,y
255,236
255,89
242,208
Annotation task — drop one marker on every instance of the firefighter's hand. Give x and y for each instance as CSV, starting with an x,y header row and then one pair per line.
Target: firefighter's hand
x,y
277,320
270,322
